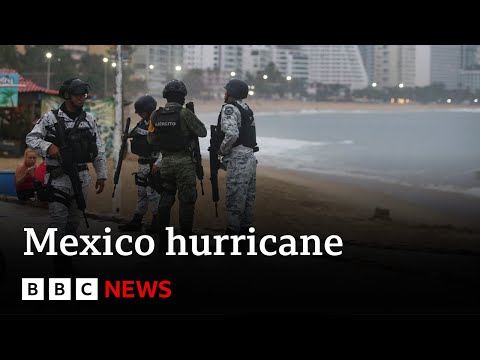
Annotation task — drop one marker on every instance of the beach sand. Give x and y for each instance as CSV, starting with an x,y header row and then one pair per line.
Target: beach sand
x,y
292,202
296,203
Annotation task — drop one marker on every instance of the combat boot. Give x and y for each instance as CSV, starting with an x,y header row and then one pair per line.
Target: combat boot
x,y
134,225
154,227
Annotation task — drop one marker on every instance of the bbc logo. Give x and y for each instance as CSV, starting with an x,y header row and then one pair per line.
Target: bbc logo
x,y
60,289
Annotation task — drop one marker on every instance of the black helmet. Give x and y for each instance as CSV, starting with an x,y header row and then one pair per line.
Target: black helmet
x,y
73,86
237,89
175,86
145,103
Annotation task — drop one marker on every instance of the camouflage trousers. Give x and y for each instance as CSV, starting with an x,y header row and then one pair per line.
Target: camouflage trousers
x,y
240,192
66,218
145,194
177,172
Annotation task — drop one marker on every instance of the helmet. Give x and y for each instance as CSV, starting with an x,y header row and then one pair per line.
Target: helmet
x,y
175,86
237,89
145,103
73,86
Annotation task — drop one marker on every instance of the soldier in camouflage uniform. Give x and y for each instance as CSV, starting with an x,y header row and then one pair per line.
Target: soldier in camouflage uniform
x,y
147,155
62,207
173,129
237,149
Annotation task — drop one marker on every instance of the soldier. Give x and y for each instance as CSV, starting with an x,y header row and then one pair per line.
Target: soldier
x,y
173,128
82,137
147,155
237,149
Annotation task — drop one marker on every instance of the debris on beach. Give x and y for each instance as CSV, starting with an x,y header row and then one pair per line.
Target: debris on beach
x,y
381,214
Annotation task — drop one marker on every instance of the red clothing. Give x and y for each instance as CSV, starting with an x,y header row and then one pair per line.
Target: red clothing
x,y
27,184
40,172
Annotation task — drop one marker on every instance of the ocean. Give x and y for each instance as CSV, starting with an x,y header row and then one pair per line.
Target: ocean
x,y
429,150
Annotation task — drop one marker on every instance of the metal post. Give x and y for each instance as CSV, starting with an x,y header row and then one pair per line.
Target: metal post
x,y
117,128
147,67
48,73
105,80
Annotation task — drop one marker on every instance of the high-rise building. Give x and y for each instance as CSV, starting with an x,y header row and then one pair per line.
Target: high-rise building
x,y
423,64
225,58
368,57
336,64
291,62
158,64
394,65
446,62
256,58
470,57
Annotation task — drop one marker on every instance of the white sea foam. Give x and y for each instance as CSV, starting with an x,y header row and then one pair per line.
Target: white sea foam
x,y
384,147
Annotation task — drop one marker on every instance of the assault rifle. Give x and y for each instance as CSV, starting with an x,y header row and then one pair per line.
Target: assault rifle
x,y
121,155
215,141
69,166
196,151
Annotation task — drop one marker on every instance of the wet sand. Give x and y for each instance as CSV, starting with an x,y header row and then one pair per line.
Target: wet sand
x,y
290,202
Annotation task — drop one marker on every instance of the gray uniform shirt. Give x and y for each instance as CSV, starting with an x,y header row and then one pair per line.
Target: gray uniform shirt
x,y
231,121
36,139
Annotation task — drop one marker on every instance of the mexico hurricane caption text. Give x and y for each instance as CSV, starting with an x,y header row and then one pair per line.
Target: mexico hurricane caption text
x,y
199,245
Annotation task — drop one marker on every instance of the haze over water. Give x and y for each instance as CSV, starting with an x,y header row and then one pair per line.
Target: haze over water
x,y
419,149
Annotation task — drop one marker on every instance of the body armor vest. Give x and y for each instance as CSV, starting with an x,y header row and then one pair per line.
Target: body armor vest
x,y
139,144
169,133
247,133
81,140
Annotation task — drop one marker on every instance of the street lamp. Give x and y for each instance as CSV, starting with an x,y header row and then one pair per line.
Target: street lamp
x,y
401,99
49,56
288,78
178,68
265,77
147,73
232,73
105,60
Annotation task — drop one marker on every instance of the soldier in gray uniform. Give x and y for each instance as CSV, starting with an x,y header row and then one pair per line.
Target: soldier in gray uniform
x,y
147,155
237,149
173,128
82,137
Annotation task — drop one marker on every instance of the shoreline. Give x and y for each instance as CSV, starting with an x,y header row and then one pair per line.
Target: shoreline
x,y
284,105
306,106
341,196
300,203
409,204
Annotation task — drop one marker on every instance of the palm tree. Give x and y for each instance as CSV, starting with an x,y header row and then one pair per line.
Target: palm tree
x,y
8,94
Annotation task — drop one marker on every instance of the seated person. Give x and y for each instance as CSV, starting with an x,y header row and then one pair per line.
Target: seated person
x,y
24,175
39,182
40,172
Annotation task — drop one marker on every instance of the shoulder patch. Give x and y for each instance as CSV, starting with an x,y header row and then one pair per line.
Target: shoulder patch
x,y
228,110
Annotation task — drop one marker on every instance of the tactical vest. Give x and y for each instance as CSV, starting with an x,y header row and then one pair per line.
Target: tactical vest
x,y
139,144
168,130
247,133
81,141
